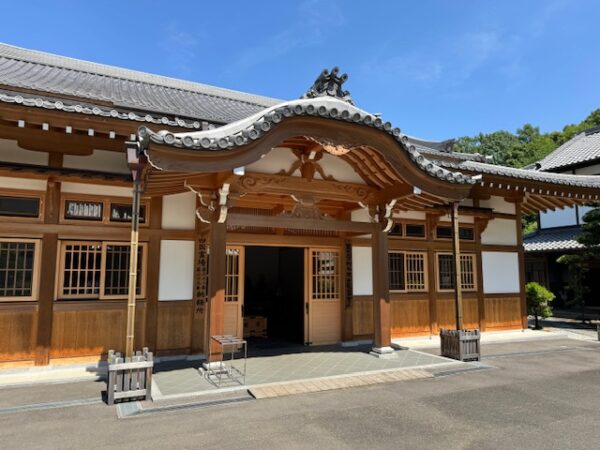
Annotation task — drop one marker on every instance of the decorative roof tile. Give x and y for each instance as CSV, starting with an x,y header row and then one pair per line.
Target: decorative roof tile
x,y
553,239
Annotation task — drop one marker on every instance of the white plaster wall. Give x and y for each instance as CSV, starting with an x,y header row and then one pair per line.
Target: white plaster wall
x,y
466,202
339,169
500,272
589,170
99,160
558,218
277,159
11,152
96,189
498,204
362,271
500,232
414,215
176,276
179,211
22,183
360,215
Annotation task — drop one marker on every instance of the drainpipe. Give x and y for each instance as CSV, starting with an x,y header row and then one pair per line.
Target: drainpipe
x,y
457,267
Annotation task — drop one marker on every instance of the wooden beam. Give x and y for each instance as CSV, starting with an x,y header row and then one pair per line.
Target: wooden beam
x,y
296,223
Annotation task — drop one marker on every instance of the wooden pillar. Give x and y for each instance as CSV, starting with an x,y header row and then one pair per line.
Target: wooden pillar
x,y
381,292
346,288
49,252
216,282
457,268
522,294
431,224
153,268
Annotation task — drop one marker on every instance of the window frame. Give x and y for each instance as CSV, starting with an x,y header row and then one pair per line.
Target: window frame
x,y
107,203
404,223
449,238
40,195
60,272
425,271
472,256
35,276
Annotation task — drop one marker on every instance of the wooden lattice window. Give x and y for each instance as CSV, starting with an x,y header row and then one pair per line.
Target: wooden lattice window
x,y
407,271
232,274
325,275
18,269
415,272
94,269
397,277
116,270
446,271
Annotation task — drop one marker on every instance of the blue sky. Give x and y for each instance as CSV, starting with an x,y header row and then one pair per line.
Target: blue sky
x,y
436,69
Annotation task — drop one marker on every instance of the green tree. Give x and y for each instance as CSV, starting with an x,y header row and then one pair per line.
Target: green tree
x,y
538,302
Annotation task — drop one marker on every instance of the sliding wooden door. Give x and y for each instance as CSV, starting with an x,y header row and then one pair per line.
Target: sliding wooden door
x,y
324,296
233,320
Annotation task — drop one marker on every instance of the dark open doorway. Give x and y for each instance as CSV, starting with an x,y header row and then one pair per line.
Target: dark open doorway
x,y
274,294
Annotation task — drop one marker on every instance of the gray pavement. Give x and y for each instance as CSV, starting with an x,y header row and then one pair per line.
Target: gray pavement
x,y
539,394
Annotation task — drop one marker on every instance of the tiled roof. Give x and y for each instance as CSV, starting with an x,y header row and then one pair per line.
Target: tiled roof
x,y
582,181
584,147
553,239
123,89
245,131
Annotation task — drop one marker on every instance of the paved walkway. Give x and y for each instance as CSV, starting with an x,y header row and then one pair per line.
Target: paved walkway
x,y
183,378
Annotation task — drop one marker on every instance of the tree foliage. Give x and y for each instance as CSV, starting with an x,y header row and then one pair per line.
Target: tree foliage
x,y
538,302
526,146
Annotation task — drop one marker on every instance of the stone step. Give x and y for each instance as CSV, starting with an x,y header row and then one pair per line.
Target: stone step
x,y
332,383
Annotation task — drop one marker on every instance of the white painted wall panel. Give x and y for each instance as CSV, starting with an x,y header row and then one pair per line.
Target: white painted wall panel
x,y
360,215
176,276
558,218
413,215
362,271
11,152
500,232
96,189
99,160
179,211
500,272
22,183
498,204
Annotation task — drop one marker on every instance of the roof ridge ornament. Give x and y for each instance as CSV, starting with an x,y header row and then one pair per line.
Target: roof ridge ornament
x,y
329,84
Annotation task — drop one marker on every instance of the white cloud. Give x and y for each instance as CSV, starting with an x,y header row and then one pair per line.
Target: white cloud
x,y
180,49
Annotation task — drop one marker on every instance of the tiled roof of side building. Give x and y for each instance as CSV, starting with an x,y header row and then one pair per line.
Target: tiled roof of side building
x,y
51,74
553,239
584,147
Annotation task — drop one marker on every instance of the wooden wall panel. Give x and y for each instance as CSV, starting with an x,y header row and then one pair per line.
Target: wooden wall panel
x,y
362,315
503,312
18,328
92,328
446,313
325,322
410,317
174,333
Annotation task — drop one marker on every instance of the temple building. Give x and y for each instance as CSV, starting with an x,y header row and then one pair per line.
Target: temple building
x,y
558,228
308,221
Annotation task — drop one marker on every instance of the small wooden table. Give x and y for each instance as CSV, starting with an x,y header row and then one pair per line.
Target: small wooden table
x,y
226,368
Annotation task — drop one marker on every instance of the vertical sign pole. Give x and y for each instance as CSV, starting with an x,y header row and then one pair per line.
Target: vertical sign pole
x,y
133,263
457,268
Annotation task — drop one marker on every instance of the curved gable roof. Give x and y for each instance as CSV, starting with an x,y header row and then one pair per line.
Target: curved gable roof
x,y
582,148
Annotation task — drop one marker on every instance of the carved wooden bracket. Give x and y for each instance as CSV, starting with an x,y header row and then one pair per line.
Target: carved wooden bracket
x,y
382,214
213,206
305,208
308,164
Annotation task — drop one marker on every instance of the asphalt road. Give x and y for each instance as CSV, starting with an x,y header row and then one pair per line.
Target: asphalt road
x,y
538,395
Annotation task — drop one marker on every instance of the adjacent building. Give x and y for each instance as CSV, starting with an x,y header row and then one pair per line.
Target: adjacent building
x,y
309,221
558,228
